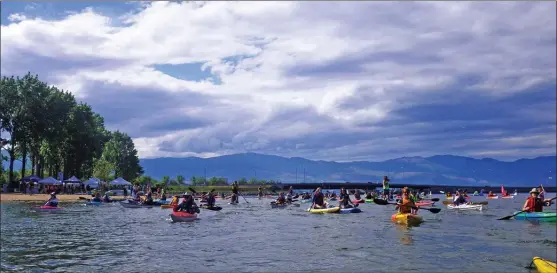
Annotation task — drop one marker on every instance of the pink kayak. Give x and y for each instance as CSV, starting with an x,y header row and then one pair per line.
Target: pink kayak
x,y
358,201
424,203
46,209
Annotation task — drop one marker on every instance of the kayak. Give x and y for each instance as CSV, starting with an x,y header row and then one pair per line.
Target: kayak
x,y
424,203
507,197
465,207
407,218
163,202
328,210
94,203
449,197
214,208
306,201
134,205
537,216
350,210
358,201
544,266
278,206
333,199
182,216
493,197
46,209
167,206
369,200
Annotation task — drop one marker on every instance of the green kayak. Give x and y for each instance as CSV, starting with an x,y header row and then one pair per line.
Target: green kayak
x,y
537,216
369,200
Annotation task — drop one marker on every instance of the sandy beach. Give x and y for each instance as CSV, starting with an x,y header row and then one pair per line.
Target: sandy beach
x,y
15,197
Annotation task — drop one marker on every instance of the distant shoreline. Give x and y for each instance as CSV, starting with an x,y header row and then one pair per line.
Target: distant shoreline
x,y
19,197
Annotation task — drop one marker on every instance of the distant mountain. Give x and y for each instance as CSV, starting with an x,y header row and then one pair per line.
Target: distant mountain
x,y
439,169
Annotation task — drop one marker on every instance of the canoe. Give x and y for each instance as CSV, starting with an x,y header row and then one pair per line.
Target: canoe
x,y
508,197
350,210
328,210
46,209
182,216
537,216
544,266
424,203
492,197
358,201
407,218
465,207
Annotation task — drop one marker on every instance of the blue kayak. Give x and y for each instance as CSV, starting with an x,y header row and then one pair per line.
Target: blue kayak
x,y
94,203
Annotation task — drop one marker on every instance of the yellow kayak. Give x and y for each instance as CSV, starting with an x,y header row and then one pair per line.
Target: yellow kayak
x,y
329,210
407,218
544,266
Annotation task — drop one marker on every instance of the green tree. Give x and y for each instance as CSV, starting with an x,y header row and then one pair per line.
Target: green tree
x,y
103,169
121,152
165,180
180,179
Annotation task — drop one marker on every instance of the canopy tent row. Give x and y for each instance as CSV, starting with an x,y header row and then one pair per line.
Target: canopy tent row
x,y
93,182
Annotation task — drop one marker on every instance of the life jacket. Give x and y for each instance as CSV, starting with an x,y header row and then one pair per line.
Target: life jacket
x,y
534,204
318,198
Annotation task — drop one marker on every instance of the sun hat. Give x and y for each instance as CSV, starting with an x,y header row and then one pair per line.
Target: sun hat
x,y
534,190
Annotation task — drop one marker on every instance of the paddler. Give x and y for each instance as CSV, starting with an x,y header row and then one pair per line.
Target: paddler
x,y
319,200
281,199
368,195
291,190
163,194
235,192
534,203
211,200
459,199
188,204
490,194
289,198
357,194
345,201
97,198
333,195
52,201
106,198
386,188
175,200
148,199
260,193
407,205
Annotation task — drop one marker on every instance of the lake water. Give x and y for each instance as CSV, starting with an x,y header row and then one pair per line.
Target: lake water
x,y
255,238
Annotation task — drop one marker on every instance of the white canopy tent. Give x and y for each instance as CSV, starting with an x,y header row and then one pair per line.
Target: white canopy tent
x,y
92,182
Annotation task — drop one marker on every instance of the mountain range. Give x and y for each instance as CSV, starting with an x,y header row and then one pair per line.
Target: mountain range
x,y
436,170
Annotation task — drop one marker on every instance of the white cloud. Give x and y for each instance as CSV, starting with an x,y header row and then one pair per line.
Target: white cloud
x,y
327,80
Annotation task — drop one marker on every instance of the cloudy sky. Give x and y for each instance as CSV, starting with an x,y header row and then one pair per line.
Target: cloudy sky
x,y
321,80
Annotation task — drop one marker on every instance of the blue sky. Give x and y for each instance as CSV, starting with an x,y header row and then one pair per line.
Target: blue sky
x,y
322,80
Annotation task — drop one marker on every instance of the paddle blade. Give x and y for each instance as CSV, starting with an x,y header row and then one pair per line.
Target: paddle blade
x,y
434,210
192,190
213,190
447,202
506,217
434,199
380,201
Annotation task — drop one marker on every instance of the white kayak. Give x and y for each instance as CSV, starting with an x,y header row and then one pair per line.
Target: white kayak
x,y
466,207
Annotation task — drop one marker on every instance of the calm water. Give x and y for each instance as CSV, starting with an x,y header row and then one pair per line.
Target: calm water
x,y
253,237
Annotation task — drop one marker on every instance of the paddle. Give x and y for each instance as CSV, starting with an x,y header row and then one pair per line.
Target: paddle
x,y
517,213
243,197
434,199
384,202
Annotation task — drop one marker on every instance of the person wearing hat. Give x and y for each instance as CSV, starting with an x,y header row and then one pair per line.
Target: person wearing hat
x,y
187,205
52,201
534,203
386,187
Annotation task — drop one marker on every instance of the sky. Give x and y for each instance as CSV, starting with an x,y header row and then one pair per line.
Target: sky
x,y
336,81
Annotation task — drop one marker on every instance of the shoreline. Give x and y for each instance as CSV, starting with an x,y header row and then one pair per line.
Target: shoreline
x,y
19,197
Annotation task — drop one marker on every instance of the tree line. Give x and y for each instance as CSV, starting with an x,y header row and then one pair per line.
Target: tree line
x,y
49,131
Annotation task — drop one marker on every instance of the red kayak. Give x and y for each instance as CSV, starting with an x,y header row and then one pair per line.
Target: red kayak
x,y
358,201
46,209
182,216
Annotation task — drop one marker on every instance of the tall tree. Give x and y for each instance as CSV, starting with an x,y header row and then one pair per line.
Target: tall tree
x,y
121,152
